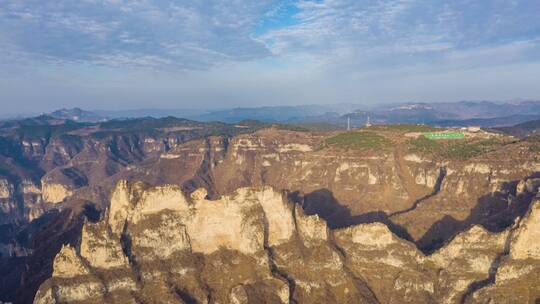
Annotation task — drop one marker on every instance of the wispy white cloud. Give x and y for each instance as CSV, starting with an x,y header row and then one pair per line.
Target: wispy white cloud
x,y
243,52
404,26
192,34
83,30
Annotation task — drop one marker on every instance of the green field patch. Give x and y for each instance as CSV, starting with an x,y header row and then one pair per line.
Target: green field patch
x,y
443,135
360,140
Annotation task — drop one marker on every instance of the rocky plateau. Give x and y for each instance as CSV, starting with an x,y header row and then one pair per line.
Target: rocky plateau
x,y
175,211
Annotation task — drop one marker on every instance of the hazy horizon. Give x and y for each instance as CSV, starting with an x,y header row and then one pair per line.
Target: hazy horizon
x,y
127,54
196,111
217,109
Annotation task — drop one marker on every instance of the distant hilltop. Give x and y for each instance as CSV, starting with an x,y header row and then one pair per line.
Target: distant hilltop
x,y
444,114
77,114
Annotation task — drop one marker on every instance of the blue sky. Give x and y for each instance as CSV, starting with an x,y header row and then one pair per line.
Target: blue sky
x,y
279,15
115,54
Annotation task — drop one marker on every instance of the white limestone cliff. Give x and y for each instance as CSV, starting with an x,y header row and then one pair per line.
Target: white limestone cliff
x,y
54,193
67,264
256,237
526,240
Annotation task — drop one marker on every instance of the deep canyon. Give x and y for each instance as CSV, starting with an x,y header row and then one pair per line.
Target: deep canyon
x,y
184,212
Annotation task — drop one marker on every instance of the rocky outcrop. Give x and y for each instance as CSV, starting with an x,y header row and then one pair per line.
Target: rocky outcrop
x,y
254,245
394,269
294,160
68,264
54,193
517,275
467,259
157,243
6,189
526,240
77,166
20,199
8,203
428,201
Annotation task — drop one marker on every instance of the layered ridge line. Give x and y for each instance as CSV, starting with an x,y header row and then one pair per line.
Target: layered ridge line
x,y
254,245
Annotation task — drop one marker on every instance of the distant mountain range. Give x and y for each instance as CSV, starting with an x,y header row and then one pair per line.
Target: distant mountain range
x,y
464,113
525,129
302,113
80,115
81,204
483,113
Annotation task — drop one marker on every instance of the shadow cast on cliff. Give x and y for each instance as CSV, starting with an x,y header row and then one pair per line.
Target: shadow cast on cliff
x,y
495,211
44,236
323,203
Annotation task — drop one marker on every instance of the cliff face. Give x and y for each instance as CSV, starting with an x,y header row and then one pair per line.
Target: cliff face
x,y
54,175
346,212
421,198
254,245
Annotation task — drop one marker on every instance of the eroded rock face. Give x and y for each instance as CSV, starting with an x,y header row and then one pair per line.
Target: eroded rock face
x,y
394,269
254,246
467,259
526,241
421,198
6,189
517,276
100,248
7,202
158,244
54,193
68,264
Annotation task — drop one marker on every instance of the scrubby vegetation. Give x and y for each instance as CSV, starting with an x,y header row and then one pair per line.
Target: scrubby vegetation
x,y
146,124
534,140
47,131
424,145
362,140
454,149
316,127
405,128
292,127
156,127
535,148
299,127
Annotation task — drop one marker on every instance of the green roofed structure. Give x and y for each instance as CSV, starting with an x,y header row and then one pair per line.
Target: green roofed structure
x,y
443,135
